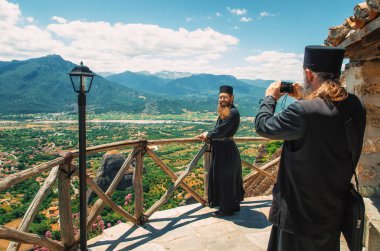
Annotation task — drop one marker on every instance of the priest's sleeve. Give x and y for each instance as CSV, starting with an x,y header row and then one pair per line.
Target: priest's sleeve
x,y
290,124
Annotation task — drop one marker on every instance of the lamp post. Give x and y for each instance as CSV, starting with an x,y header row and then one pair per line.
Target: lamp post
x,y
81,79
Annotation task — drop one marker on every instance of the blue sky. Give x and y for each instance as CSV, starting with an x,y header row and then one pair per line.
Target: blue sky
x,y
246,38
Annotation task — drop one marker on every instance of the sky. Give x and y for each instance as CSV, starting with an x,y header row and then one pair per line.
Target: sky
x,y
252,39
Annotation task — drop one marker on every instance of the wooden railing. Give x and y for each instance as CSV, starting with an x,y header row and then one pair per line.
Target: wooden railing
x,y
62,168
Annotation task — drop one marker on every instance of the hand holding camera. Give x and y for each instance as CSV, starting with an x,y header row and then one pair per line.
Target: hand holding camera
x,y
280,88
286,87
296,91
274,90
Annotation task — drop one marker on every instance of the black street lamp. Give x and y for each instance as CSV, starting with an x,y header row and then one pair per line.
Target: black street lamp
x,y
81,78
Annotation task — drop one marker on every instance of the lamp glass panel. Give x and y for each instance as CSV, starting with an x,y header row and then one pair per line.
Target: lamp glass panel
x,y
75,80
87,83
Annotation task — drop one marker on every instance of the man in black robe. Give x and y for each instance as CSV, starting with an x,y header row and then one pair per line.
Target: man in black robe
x,y
316,164
225,176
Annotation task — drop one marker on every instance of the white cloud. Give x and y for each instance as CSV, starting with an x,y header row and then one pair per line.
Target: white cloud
x,y
104,43
30,19
265,14
272,65
238,12
22,41
9,13
142,39
218,14
112,47
60,20
245,19
106,47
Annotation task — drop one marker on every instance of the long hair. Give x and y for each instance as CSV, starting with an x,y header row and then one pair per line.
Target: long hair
x,y
330,90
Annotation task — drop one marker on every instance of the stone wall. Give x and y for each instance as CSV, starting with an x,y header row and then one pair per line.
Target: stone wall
x,y
363,79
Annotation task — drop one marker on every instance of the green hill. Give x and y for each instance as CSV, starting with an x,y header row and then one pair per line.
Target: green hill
x,y
42,85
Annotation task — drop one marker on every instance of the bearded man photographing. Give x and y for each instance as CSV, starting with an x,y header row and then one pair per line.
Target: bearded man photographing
x,y
317,163
225,176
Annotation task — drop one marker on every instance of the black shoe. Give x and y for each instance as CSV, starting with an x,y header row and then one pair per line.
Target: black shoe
x,y
237,209
221,214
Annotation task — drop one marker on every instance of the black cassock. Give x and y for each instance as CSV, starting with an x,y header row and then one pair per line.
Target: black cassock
x,y
315,170
225,175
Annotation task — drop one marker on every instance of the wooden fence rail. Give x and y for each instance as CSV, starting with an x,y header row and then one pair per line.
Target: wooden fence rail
x,y
61,170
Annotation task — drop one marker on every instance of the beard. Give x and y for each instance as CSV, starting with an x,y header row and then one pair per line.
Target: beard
x,y
224,109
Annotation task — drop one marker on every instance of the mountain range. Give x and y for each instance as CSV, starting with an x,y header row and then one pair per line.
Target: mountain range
x,y
196,84
42,85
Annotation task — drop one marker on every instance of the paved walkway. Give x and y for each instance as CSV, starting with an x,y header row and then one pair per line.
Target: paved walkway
x,y
193,227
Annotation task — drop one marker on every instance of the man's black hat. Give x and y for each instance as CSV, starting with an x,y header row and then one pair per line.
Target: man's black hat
x,y
226,89
320,58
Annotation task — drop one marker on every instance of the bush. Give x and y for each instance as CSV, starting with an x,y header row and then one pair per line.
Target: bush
x,y
40,228
56,235
112,218
18,212
5,218
272,146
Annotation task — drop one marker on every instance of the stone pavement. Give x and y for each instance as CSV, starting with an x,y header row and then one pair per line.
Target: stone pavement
x,y
193,227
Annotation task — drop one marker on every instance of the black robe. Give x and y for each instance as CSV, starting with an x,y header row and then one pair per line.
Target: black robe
x,y
225,175
315,171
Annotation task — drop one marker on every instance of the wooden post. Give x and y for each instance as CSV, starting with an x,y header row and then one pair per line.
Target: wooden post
x,y
137,182
33,208
19,236
65,213
206,167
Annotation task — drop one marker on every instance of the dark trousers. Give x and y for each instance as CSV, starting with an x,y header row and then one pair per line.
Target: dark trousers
x,y
284,241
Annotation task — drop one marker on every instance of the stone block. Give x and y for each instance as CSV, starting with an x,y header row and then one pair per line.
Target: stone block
x,y
363,78
369,174
371,146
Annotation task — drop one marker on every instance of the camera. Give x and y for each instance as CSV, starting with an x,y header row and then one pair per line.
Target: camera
x,y
286,87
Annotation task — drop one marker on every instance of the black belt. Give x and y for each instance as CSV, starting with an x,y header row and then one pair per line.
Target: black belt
x,y
223,139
